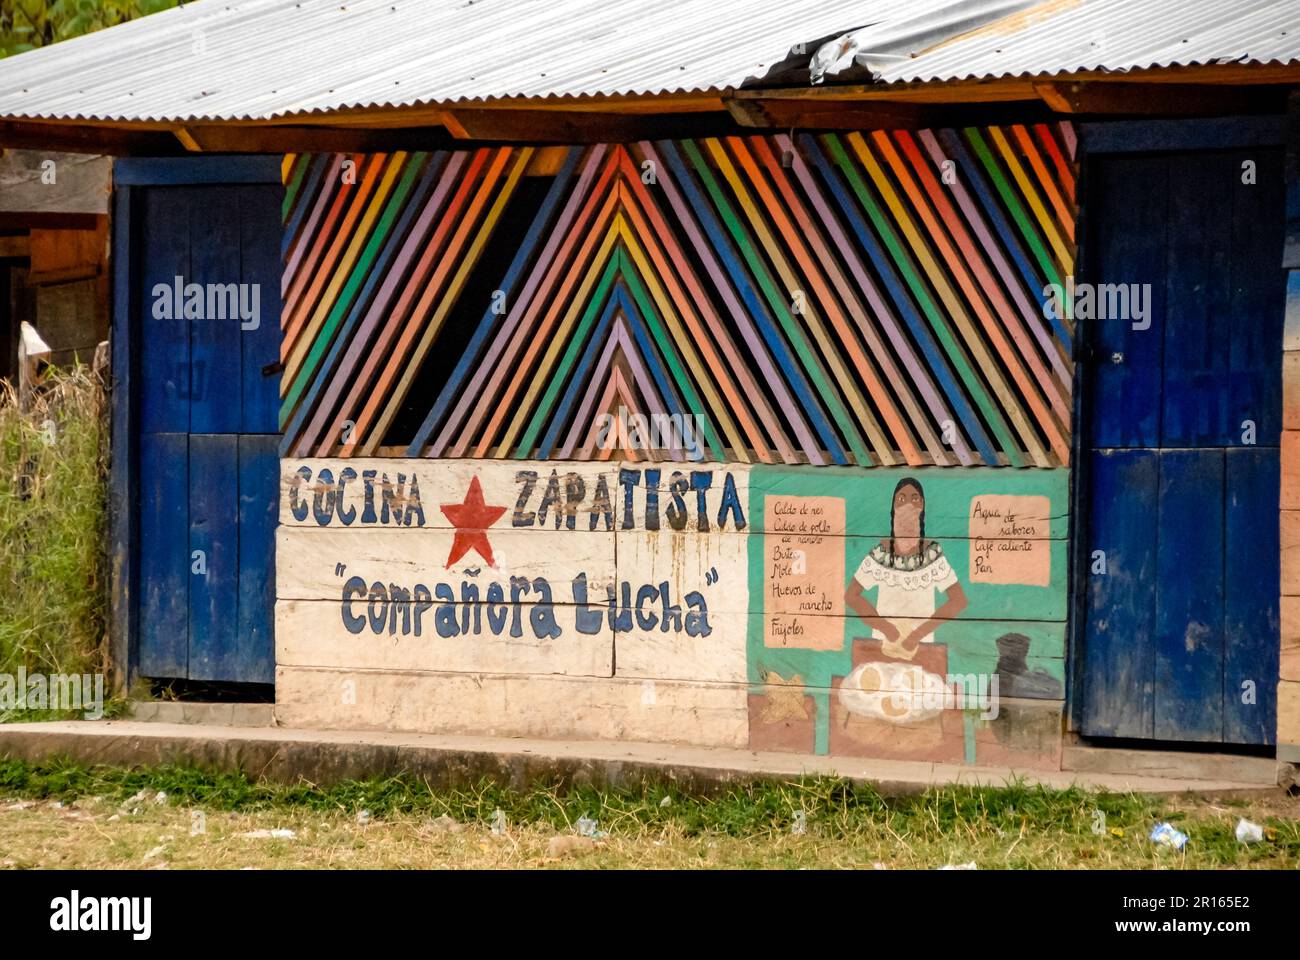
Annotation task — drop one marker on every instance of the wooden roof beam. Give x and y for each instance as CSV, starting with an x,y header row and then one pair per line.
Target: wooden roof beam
x,y
820,115
546,126
1104,97
87,138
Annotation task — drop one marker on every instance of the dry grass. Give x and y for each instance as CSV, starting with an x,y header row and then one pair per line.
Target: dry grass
x,y
52,527
1012,828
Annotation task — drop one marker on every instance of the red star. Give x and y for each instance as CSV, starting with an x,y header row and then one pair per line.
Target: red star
x,y
471,519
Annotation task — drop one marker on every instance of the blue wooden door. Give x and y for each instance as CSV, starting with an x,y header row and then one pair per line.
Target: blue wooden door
x,y
206,428
1182,418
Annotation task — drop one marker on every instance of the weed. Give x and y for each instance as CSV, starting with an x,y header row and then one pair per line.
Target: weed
x,y
52,528
1016,826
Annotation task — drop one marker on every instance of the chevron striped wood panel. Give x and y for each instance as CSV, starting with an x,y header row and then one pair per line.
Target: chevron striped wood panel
x,y
874,298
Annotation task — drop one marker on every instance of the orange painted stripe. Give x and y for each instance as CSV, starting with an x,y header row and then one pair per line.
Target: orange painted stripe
x,y
711,375
432,290
446,300
357,205
567,272
606,229
838,381
707,321
988,322
319,242
307,333
1063,172
1064,255
1063,214
507,366
974,258
379,351
848,339
821,254
635,244
953,304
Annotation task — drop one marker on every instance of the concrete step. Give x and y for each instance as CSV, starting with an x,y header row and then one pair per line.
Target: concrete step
x,y
212,714
1183,764
325,756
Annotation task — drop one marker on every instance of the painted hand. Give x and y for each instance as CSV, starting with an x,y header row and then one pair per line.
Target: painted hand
x,y
912,642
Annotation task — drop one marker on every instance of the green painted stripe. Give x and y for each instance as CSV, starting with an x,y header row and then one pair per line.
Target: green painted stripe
x,y
301,166
669,354
561,374
356,278
811,363
992,415
1010,198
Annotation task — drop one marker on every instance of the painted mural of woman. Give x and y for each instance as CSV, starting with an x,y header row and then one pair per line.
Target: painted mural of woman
x,y
908,571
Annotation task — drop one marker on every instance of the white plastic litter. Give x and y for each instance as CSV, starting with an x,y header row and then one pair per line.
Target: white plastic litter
x,y
1165,835
1248,832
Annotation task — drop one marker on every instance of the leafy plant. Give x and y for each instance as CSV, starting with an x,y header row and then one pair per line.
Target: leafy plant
x,y
27,24
52,527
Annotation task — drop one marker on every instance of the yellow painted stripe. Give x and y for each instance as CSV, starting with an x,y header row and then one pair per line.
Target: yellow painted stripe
x,y
447,302
1063,255
343,269
882,448
682,342
577,303
1064,218
984,361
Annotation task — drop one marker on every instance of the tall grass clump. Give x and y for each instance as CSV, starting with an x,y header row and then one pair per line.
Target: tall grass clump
x,y
53,518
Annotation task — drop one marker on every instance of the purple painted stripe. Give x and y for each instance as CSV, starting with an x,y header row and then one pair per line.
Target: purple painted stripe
x,y
308,233
934,399
620,337
1069,137
756,345
1033,317
523,310
395,281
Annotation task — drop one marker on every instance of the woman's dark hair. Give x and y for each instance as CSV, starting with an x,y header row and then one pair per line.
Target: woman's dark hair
x,y
906,482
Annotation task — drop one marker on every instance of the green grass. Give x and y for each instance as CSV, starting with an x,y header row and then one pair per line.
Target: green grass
x,y
1015,826
53,528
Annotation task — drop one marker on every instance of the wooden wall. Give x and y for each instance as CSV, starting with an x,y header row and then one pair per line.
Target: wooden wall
x,y
587,442
1288,690
644,601
871,298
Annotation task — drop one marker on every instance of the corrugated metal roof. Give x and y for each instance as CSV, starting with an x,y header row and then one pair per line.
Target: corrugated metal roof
x,y
1066,36
263,59
241,59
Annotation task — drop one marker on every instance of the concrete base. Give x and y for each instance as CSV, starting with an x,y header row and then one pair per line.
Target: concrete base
x,y
326,756
1170,763
220,714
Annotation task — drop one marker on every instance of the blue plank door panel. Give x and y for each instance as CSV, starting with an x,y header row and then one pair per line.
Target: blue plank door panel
x,y
164,554
206,439
1120,668
1189,596
1251,614
1180,628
